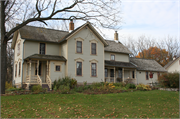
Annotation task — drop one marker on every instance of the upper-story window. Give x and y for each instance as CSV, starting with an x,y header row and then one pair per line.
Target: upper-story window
x,y
112,57
42,48
93,48
79,47
18,52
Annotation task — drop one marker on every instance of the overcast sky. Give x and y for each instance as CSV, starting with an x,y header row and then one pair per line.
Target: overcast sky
x,y
155,18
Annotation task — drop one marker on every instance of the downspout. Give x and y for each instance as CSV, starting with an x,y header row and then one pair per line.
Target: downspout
x,y
22,65
13,83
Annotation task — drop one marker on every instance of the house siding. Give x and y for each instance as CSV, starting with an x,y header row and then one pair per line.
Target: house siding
x,y
55,75
17,59
175,67
141,77
118,56
87,35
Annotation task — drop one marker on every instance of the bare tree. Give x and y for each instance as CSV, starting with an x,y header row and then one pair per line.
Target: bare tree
x,y
98,12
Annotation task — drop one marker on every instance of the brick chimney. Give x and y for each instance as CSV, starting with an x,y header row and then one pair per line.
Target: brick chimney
x,y
71,25
116,36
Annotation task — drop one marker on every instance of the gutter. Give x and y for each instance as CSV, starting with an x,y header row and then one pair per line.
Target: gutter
x,y
22,65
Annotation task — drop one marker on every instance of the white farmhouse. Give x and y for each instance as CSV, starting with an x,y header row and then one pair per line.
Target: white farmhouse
x,y
43,55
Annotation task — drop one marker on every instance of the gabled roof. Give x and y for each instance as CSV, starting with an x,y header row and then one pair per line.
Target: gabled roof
x,y
119,64
116,47
147,64
87,24
50,35
47,57
171,62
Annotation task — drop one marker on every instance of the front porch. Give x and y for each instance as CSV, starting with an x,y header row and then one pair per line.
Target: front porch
x,y
37,72
116,71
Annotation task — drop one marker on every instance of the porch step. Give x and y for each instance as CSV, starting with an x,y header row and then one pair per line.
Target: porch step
x,y
46,86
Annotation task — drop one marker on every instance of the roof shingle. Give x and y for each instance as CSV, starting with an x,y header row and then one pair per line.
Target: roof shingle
x,y
116,47
119,64
47,57
147,64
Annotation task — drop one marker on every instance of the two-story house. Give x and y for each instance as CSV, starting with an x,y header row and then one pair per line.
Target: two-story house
x,y
43,55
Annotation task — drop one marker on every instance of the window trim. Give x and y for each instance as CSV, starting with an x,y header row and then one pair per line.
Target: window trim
x,y
55,68
40,47
96,42
114,57
78,39
147,75
95,48
91,69
81,68
19,69
77,47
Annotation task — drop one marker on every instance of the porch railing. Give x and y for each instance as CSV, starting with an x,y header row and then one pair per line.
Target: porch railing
x,y
111,79
49,81
28,79
39,81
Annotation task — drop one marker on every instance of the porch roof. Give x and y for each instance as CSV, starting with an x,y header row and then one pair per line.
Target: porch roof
x,y
47,57
119,64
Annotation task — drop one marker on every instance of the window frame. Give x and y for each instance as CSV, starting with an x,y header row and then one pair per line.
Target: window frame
x,y
147,75
59,68
112,55
95,69
77,68
44,48
93,49
18,48
80,47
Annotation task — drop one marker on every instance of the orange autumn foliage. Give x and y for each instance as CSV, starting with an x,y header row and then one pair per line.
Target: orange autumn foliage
x,y
160,55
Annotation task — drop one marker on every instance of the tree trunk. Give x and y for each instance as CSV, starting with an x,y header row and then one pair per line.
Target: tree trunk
x,y
3,49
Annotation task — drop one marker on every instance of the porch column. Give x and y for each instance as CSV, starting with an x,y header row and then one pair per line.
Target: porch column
x,y
37,67
26,69
29,70
47,68
114,75
135,75
123,74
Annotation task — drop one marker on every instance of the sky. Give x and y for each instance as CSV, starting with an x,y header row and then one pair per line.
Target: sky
x,y
154,18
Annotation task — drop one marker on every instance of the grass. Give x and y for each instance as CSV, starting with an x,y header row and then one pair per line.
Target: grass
x,y
139,104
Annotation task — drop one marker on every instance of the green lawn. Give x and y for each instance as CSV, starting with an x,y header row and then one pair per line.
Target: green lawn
x,y
139,104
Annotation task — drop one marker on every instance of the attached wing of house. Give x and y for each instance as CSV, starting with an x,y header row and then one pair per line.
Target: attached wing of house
x,y
42,56
174,65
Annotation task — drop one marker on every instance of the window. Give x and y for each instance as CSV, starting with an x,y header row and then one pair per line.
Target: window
x,y
15,70
57,68
79,68
39,69
112,57
18,52
93,48
93,70
19,68
106,72
120,73
112,73
147,77
42,48
79,47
